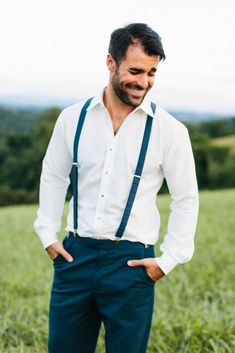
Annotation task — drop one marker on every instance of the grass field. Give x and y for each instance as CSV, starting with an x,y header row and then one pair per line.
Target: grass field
x,y
194,306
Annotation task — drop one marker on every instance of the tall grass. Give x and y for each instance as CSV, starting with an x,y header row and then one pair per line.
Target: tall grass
x,y
194,306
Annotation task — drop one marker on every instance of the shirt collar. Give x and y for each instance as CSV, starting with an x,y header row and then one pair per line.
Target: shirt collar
x,y
98,99
145,106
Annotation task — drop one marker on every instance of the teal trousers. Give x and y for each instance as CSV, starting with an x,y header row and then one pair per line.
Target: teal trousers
x,y
99,286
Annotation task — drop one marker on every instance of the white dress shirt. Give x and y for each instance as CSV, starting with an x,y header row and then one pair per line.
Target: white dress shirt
x,y
106,166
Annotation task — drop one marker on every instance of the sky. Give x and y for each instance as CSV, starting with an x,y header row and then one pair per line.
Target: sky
x,y
55,50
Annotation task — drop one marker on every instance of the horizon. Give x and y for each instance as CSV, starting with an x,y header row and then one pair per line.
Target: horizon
x,y
183,115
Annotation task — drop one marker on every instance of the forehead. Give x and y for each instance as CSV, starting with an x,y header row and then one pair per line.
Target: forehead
x,y
136,57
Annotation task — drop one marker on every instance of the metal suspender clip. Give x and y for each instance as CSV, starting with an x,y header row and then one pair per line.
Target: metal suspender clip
x,y
117,240
75,233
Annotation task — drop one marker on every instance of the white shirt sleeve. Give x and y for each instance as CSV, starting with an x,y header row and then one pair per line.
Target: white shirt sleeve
x,y
179,171
54,183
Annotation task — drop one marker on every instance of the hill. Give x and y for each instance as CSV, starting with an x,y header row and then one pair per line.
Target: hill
x,y
228,141
17,120
22,118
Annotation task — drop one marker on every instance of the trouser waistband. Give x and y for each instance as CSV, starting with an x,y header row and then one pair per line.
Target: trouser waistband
x,y
107,243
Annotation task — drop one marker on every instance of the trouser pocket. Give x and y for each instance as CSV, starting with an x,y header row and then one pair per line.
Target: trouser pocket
x,y
67,243
148,253
147,277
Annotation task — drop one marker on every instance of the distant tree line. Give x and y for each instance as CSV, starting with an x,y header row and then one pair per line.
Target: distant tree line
x,y
215,165
21,155
22,151
15,120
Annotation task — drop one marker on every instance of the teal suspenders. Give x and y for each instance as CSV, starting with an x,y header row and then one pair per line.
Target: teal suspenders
x,y
136,178
75,164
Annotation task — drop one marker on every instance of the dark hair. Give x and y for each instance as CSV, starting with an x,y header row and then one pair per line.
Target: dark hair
x,y
133,33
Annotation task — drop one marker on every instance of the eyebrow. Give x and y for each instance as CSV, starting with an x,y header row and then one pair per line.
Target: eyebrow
x,y
141,70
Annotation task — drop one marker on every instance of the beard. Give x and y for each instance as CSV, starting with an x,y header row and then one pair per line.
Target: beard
x,y
123,95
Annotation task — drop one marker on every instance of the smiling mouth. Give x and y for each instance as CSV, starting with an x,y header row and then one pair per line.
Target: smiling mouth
x,y
136,92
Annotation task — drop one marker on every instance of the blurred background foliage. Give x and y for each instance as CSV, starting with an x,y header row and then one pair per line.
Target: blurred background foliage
x,y
24,136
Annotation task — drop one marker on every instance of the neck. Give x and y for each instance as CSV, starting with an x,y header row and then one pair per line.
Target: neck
x,y
116,108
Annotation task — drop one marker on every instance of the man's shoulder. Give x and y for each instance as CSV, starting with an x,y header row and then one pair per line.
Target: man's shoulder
x,y
69,116
168,127
74,108
168,120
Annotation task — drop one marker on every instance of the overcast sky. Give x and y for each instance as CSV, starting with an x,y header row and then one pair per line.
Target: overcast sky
x,y
56,49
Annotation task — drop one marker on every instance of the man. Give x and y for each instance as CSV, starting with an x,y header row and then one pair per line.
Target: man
x,y
121,147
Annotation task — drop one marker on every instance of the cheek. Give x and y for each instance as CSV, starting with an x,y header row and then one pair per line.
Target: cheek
x,y
151,82
126,78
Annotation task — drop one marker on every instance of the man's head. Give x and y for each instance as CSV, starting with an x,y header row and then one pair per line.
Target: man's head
x,y
134,53
133,33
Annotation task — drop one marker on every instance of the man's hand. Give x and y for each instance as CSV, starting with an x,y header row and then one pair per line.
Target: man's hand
x,y
153,270
57,249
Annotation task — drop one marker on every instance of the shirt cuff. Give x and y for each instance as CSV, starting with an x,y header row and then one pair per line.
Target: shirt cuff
x,y
166,262
48,239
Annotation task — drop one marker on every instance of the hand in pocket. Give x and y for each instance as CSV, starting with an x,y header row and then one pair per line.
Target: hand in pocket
x,y
57,249
151,267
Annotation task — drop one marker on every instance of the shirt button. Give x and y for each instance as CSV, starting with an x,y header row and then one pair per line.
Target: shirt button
x,y
106,172
99,218
110,149
102,195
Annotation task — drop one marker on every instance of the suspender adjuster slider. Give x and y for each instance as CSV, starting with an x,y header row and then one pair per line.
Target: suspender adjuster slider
x,y
137,176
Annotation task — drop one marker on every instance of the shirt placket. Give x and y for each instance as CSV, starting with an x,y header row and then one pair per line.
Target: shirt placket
x,y
104,187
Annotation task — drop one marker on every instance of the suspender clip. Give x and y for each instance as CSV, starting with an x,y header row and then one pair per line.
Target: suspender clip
x,y
75,233
117,240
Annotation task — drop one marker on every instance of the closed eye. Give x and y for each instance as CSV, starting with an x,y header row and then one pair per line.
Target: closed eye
x,y
135,71
151,73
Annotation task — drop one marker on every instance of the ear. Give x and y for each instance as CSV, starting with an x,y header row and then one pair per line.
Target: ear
x,y
110,63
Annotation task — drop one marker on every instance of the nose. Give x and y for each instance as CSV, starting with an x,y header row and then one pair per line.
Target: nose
x,y
143,81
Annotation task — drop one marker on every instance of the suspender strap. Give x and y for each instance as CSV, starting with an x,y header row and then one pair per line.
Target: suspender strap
x,y
75,163
138,171
137,176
